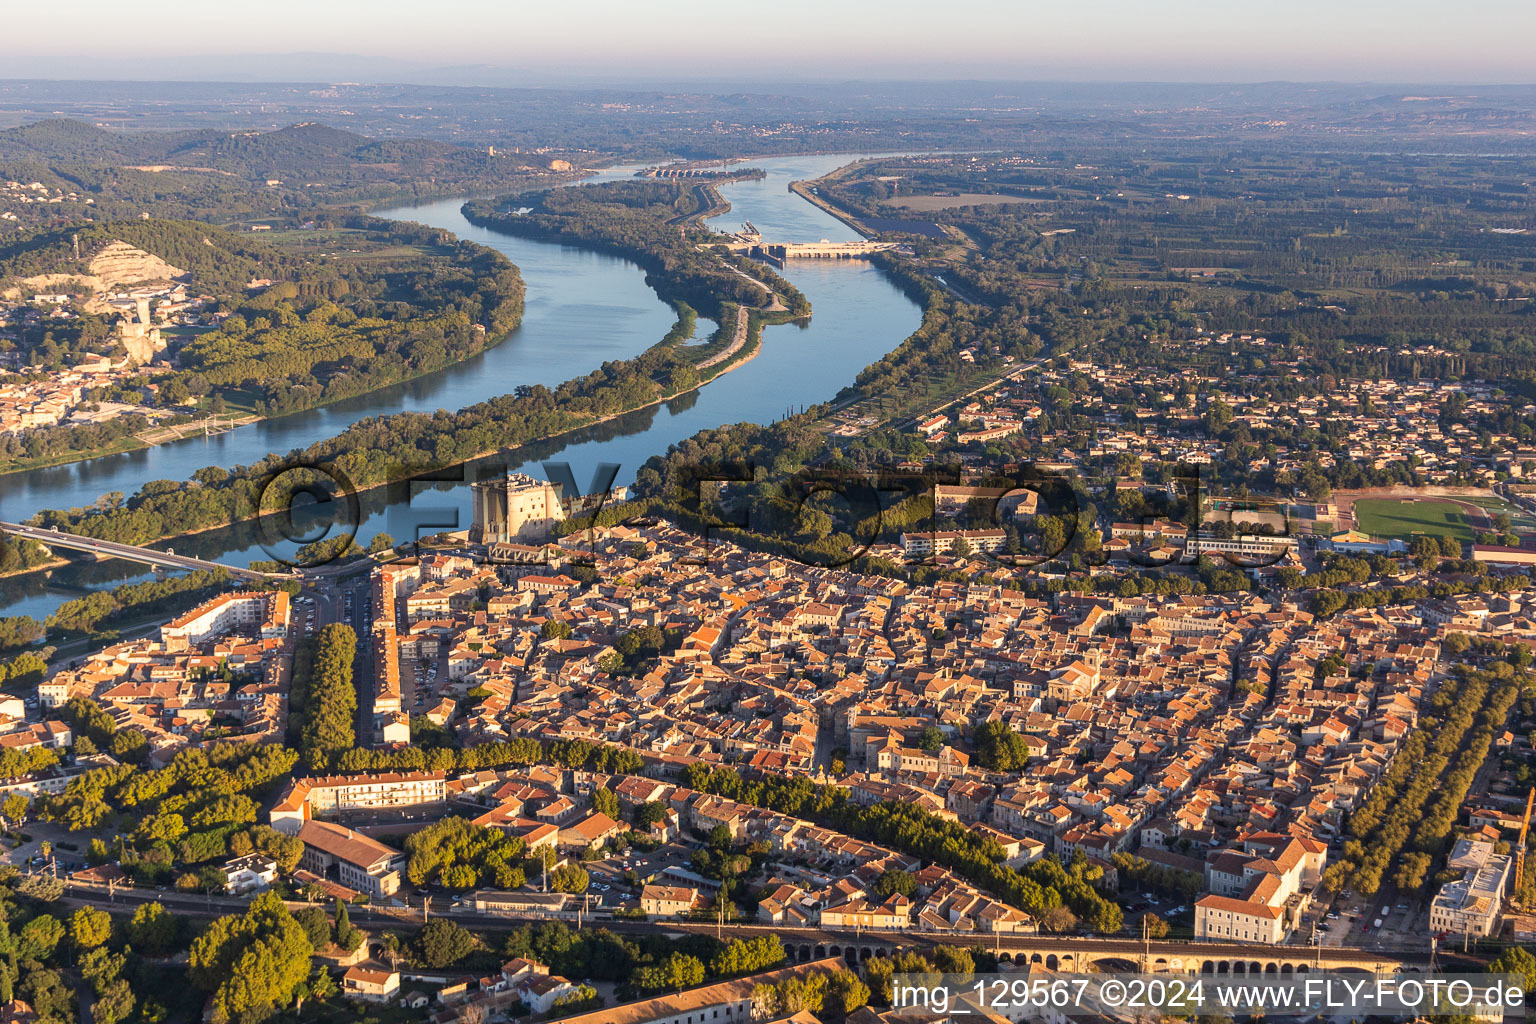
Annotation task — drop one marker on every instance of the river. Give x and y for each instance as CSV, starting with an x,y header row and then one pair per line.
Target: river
x,y
582,308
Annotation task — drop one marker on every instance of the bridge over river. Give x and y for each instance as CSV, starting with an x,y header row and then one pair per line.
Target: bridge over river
x,y
148,556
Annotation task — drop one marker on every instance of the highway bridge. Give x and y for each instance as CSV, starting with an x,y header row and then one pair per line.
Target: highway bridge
x,y
147,556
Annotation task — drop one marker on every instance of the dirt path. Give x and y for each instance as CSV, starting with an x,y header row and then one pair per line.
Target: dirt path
x,y
738,339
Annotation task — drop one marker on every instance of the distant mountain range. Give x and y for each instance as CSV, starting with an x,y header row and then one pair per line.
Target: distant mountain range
x,y
310,151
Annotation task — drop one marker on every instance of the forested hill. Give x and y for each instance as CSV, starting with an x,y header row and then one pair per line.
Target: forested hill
x,y
89,173
218,261
390,301
314,151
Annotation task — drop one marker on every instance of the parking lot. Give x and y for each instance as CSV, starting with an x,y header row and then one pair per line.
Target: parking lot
x,y
1180,914
1352,920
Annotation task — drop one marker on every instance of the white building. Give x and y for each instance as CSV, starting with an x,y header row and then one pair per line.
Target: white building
x,y
370,985
327,794
252,613
941,542
1234,920
1471,905
1251,549
251,873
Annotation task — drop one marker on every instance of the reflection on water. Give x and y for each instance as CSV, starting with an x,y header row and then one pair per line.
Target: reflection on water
x,y
581,310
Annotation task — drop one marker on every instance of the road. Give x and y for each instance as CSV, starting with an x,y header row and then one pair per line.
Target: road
x,y
110,549
738,339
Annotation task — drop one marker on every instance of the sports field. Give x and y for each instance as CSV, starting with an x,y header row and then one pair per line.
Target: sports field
x,y
1402,517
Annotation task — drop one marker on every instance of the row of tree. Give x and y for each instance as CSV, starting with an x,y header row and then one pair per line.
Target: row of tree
x,y
1416,803
328,698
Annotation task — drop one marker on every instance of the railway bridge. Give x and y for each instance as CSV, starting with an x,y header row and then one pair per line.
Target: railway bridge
x,y
1074,953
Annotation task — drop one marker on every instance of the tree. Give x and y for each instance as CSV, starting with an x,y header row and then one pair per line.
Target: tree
x,y
285,849
315,924
677,972
43,888
52,998
748,956
931,740
253,963
606,801
160,828
1105,917
152,930
330,697
441,943
89,928
114,1004
39,937
393,948
1516,960
14,808
953,960
1059,919
458,876
651,813
1218,416
322,986
1153,926
101,967
894,881
569,878
999,747
348,937
845,992
878,972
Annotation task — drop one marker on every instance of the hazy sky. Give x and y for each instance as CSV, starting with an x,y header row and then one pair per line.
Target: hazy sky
x,y
1162,40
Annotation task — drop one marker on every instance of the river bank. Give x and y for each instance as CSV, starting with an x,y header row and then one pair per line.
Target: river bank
x,y
579,305
744,346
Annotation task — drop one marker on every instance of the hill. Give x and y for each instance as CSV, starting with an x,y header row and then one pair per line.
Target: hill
x,y
218,261
284,176
312,151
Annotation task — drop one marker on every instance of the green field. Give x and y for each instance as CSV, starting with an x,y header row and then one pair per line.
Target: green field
x,y
1399,517
1519,518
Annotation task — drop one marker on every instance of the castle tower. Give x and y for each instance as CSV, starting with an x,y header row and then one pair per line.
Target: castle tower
x,y
515,508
